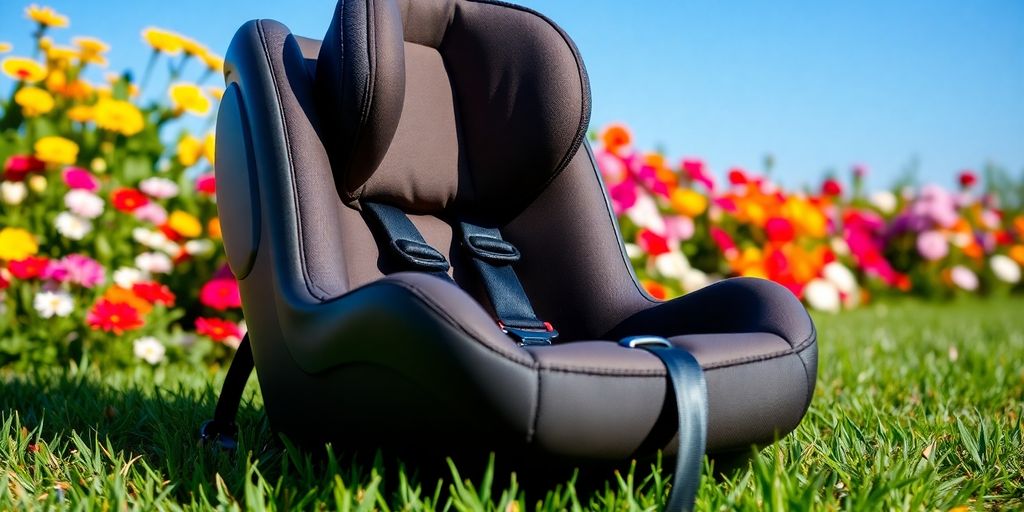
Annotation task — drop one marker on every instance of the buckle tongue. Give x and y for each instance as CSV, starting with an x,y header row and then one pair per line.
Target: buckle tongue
x,y
530,337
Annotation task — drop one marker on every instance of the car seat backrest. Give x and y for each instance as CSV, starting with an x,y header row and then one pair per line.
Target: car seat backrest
x,y
441,105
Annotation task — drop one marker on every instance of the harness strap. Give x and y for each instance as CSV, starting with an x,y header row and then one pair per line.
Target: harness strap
x,y
493,258
686,379
405,241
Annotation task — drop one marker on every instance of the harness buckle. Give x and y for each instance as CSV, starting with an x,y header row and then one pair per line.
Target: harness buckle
x,y
530,337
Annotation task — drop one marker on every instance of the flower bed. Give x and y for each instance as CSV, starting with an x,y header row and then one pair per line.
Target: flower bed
x,y
110,243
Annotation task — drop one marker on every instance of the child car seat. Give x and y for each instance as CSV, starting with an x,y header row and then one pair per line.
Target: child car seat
x,y
351,171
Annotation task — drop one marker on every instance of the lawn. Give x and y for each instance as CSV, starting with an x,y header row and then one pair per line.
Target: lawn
x,y
918,406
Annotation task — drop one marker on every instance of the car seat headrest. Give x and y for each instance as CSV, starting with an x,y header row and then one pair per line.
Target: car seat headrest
x,y
361,70
519,95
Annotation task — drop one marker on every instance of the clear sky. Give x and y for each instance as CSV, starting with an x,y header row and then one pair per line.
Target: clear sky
x,y
819,85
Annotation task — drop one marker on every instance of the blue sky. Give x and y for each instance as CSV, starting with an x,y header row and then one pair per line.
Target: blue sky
x,y
819,85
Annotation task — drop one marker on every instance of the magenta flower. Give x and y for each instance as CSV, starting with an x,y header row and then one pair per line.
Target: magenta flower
x,y
78,178
697,171
932,245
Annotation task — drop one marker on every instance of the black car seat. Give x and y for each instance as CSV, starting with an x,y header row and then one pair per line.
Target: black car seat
x,y
351,171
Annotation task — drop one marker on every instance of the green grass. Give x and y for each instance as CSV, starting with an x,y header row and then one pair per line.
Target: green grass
x,y
918,407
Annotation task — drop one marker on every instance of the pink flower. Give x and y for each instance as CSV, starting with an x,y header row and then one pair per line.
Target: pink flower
x,y
76,269
84,203
679,228
963,278
152,213
932,245
613,169
78,178
221,294
160,188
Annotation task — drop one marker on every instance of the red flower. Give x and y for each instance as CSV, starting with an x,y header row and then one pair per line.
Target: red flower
x,y
128,199
737,176
831,188
217,329
154,293
221,294
18,166
779,230
724,242
651,242
28,268
968,178
4,283
115,317
206,184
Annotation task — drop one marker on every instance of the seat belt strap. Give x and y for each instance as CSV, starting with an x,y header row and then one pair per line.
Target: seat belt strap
x,y
405,242
493,258
222,429
686,379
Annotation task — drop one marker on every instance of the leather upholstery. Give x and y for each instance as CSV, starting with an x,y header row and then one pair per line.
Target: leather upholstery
x,y
448,109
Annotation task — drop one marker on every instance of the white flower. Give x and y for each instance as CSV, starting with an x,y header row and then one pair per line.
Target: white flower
x,y
72,226
964,278
1005,268
633,251
150,238
153,263
672,264
839,275
51,304
990,219
83,203
884,200
14,192
694,280
160,188
37,183
822,295
839,246
644,213
149,349
199,247
126,277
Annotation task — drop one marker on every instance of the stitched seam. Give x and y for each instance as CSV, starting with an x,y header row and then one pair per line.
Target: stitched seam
x,y
311,287
364,112
536,412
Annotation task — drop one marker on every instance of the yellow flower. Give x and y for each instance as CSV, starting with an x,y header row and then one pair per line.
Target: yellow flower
x,y
90,45
17,244
46,16
189,150
23,70
56,150
80,113
688,202
92,50
216,92
5,47
210,147
118,116
163,41
33,101
193,47
213,61
189,98
184,224
806,217
62,56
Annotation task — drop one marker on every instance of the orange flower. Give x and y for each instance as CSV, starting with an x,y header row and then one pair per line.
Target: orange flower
x,y
213,228
615,136
1017,253
655,289
118,295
